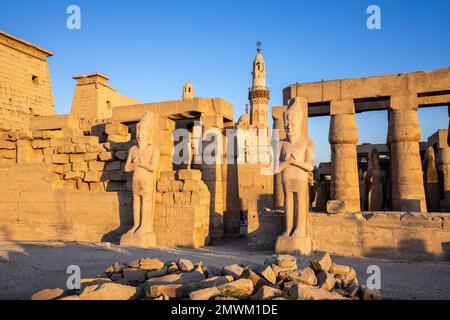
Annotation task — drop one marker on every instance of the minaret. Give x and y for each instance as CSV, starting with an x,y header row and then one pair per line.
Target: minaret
x,y
259,94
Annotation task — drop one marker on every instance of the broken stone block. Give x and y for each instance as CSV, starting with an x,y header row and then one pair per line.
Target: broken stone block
x,y
156,273
286,261
132,264
321,262
238,288
339,269
150,264
170,290
177,278
133,274
207,283
116,128
300,291
266,293
305,276
325,280
276,269
212,271
349,278
185,265
233,270
269,275
256,279
110,291
48,294
172,267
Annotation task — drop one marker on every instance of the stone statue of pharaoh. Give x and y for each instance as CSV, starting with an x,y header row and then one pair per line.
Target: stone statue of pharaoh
x,y
143,161
296,157
374,181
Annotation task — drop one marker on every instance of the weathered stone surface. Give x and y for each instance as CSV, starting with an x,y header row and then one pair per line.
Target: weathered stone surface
x,y
150,264
300,291
172,267
133,264
321,262
233,270
256,279
170,290
48,294
134,274
207,283
305,276
177,278
238,288
325,280
349,278
286,261
212,271
156,273
266,293
269,275
336,206
339,269
110,291
185,265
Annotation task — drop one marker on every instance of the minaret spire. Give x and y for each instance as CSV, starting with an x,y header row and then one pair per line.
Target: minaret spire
x,y
259,93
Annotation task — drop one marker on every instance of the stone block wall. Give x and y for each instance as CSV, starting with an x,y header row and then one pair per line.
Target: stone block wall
x,y
182,209
254,185
392,235
74,189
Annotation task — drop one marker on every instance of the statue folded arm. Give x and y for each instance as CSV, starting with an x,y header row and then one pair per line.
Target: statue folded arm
x,y
130,165
153,165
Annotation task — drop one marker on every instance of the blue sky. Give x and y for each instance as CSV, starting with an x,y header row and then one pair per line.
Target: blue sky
x,y
149,49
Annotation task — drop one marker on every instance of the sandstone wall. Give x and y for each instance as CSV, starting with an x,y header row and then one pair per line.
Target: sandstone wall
x,y
254,186
75,189
25,88
392,235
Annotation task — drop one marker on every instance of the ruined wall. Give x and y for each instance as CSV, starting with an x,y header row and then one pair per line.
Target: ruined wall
x,y
74,189
25,88
255,185
392,235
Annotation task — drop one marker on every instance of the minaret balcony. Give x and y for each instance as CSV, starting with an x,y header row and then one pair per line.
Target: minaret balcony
x,y
259,92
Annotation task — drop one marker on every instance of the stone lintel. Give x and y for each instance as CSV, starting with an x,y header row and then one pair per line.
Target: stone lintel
x,y
345,106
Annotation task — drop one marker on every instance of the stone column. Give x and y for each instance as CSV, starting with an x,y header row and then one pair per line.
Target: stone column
x,y
231,218
278,124
343,137
443,160
212,174
408,192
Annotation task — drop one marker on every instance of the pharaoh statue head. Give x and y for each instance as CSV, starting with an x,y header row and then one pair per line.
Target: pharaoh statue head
x,y
374,160
295,120
146,129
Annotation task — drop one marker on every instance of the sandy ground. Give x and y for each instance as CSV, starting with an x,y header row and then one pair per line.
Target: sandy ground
x,y
28,267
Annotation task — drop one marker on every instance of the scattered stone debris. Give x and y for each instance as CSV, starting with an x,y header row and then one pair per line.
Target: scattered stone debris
x,y
278,279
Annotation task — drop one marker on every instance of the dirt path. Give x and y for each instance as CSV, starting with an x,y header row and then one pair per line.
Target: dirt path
x,y
28,267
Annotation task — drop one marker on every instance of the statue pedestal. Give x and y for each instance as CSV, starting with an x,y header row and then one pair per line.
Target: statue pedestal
x,y
291,245
140,240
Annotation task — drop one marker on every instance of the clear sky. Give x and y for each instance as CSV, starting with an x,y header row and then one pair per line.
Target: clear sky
x,y
149,49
